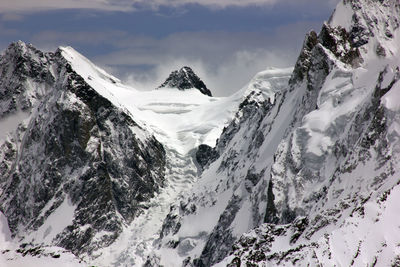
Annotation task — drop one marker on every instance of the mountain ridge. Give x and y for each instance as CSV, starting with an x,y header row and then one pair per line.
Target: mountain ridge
x,y
298,167
75,168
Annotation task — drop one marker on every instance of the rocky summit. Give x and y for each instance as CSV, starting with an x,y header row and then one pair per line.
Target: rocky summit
x,y
183,79
300,167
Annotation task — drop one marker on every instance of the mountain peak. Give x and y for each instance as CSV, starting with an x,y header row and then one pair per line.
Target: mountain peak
x,y
19,48
183,79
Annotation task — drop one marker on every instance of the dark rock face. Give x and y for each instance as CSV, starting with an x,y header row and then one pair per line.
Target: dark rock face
x,y
336,40
77,147
205,154
303,61
185,78
254,248
19,63
341,44
271,212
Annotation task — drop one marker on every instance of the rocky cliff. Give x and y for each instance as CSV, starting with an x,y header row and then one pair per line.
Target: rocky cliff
x,y
75,169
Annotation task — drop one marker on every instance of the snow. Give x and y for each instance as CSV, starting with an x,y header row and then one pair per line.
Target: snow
x,y
243,219
342,16
10,258
269,82
192,226
391,100
5,234
136,241
343,92
388,77
16,260
180,119
375,232
55,223
10,123
96,77
347,236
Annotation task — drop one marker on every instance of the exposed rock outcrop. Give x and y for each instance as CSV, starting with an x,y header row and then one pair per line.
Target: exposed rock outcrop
x,y
184,79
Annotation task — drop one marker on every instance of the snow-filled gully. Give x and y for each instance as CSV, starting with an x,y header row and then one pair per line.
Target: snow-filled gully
x,y
137,240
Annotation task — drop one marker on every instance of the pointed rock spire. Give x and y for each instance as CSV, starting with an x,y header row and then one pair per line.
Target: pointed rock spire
x,y
184,79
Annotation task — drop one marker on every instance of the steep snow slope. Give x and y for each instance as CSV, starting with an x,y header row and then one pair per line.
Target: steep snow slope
x,y
335,175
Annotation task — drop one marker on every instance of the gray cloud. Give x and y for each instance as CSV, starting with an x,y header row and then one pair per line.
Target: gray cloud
x,y
11,17
29,6
208,3
7,31
50,40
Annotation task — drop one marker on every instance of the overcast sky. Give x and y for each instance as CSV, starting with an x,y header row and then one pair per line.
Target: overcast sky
x,y
226,42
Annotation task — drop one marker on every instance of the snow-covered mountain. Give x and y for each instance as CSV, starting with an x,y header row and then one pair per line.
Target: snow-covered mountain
x,y
333,183
299,167
75,167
